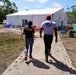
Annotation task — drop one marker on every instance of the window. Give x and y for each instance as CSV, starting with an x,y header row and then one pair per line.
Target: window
x,y
24,22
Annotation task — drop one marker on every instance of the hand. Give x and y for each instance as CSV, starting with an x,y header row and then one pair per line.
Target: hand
x,y
22,37
40,36
56,40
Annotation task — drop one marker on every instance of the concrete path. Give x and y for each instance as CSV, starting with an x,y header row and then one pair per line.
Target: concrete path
x,y
59,63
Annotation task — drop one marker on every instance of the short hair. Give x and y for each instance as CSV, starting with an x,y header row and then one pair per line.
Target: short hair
x,y
48,17
29,23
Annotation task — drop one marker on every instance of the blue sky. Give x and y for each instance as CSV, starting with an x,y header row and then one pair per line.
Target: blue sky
x,y
40,4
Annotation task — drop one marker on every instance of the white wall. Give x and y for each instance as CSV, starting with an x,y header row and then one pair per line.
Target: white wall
x,y
17,19
60,16
12,20
21,17
38,19
65,19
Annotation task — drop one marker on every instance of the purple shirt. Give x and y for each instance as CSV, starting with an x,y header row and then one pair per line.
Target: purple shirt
x,y
48,27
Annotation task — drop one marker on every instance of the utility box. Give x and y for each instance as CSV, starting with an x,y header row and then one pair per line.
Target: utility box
x,y
71,34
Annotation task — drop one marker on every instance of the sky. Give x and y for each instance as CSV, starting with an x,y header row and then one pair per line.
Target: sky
x,y
42,4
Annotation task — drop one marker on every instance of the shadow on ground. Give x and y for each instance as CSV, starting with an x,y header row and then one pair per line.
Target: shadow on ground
x,y
57,64
61,66
38,63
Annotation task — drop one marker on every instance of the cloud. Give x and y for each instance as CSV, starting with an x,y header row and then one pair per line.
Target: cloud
x,y
25,8
39,1
1,3
30,0
38,6
43,1
56,5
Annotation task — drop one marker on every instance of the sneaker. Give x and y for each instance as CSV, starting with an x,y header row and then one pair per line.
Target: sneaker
x,y
30,56
49,52
47,61
46,58
25,58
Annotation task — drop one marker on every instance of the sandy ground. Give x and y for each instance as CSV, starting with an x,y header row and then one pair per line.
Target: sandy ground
x,y
70,46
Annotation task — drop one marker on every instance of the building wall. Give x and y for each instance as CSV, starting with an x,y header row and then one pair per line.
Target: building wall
x,y
38,19
12,20
58,17
24,17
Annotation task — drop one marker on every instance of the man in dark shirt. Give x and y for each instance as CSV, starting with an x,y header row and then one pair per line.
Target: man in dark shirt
x,y
29,39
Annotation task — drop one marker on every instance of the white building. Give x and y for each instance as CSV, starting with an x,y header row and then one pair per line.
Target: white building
x,y
37,16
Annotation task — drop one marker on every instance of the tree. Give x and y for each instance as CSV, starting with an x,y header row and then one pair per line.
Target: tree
x,y
14,7
68,12
7,8
73,9
71,14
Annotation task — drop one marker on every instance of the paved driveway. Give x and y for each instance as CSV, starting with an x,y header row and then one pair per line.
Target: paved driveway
x,y
59,62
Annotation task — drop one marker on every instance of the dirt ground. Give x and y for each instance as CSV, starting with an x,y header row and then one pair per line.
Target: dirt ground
x,y
11,46
70,46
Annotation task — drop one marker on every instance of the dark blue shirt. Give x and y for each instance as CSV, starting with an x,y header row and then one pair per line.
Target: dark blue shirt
x,y
29,32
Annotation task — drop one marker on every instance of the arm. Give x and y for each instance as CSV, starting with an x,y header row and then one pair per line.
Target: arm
x,y
33,33
41,32
23,33
56,35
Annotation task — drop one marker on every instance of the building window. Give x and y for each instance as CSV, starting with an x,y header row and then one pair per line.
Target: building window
x,y
24,22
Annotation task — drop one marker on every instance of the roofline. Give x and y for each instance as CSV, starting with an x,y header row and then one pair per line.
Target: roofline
x,y
17,13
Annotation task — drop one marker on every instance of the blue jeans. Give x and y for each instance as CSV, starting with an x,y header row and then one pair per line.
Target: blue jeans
x,y
29,42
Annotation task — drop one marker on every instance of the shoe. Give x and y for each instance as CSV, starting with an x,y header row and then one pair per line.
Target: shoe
x,y
30,56
49,52
46,57
25,58
46,60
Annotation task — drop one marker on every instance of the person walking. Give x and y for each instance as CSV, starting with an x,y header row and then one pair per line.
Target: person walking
x,y
48,26
29,39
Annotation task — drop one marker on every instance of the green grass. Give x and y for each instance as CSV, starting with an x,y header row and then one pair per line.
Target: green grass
x,y
63,35
1,26
66,36
11,45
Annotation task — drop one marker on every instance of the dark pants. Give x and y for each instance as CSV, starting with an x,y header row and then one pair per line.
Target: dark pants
x,y
48,41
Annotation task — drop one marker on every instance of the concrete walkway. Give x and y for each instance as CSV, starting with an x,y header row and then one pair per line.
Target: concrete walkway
x,y
59,63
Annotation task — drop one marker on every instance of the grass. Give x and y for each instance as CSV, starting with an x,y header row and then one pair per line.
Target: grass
x,y
1,26
67,35
63,35
11,45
